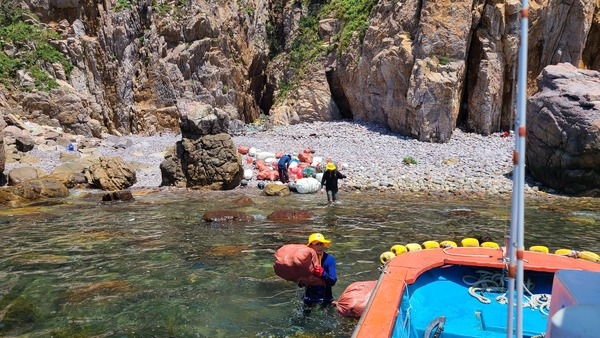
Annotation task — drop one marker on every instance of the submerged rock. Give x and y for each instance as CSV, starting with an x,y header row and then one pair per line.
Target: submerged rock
x,y
226,216
291,215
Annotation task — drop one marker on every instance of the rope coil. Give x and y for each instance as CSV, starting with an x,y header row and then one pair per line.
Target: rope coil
x,y
489,282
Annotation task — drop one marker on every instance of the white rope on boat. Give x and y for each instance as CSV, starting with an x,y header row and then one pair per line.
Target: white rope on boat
x,y
491,282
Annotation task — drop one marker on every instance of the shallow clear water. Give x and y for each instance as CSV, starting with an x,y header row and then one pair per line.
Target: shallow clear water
x,y
154,268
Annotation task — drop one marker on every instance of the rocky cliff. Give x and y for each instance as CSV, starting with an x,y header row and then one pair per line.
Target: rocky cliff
x,y
421,67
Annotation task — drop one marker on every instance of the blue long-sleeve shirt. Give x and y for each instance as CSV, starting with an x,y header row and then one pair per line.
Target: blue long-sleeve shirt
x,y
284,161
323,293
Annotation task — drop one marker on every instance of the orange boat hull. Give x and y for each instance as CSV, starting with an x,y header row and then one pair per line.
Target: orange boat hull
x,y
380,315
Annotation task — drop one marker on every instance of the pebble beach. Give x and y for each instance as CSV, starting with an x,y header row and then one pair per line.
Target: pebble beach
x,y
375,158
370,155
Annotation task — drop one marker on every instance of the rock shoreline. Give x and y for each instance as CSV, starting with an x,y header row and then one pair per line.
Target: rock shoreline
x,y
372,157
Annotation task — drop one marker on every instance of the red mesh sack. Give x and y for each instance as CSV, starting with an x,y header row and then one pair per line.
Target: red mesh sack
x,y
296,263
260,165
243,150
267,175
353,300
304,157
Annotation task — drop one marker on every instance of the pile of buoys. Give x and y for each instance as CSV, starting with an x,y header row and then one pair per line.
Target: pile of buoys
x,y
399,249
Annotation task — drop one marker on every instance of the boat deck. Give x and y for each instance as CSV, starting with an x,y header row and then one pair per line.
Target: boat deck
x,y
379,318
465,316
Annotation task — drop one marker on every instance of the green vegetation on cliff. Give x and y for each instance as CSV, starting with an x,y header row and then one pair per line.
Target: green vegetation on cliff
x,y
353,16
308,47
28,45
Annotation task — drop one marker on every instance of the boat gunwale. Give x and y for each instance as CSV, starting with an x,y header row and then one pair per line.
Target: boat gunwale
x,y
377,321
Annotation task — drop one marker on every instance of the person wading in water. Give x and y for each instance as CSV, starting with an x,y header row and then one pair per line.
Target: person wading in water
x,y
320,294
329,182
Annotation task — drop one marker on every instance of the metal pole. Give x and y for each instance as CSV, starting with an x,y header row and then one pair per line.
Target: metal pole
x,y
517,226
517,212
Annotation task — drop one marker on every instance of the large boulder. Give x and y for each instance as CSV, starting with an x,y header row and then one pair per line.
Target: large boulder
x,y
563,138
71,174
276,189
206,157
110,173
38,188
22,174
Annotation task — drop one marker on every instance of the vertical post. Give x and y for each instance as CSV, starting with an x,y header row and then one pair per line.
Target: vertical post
x,y
517,227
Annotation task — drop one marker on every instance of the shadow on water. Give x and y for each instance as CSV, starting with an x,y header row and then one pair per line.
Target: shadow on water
x,y
154,268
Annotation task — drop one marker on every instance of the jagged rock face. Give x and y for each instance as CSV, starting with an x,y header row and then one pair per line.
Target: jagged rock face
x,y
425,67
2,156
422,67
206,157
563,130
491,68
559,33
309,104
135,67
2,151
411,67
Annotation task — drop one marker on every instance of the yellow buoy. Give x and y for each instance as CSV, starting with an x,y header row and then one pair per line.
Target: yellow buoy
x,y
491,245
431,245
539,248
448,244
386,257
566,252
588,256
398,249
413,247
469,242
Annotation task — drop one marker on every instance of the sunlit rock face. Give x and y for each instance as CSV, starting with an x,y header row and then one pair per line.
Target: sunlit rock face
x,y
563,130
422,68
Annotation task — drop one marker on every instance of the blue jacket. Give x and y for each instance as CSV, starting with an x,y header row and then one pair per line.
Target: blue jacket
x,y
284,161
323,293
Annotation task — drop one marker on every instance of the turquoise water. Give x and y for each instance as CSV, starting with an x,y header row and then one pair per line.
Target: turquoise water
x,y
153,268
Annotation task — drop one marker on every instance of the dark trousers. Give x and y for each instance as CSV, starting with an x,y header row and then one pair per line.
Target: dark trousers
x,y
283,175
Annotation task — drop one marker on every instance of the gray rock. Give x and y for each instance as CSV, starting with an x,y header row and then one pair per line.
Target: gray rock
x,y
24,143
22,174
210,162
563,139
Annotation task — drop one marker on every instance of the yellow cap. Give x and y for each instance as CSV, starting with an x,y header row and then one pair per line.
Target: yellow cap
x,y
317,237
330,166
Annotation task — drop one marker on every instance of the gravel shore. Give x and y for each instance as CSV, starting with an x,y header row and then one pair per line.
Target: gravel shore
x,y
371,156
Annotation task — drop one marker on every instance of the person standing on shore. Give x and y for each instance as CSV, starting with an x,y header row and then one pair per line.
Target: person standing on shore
x,y
320,294
282,167
329,182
